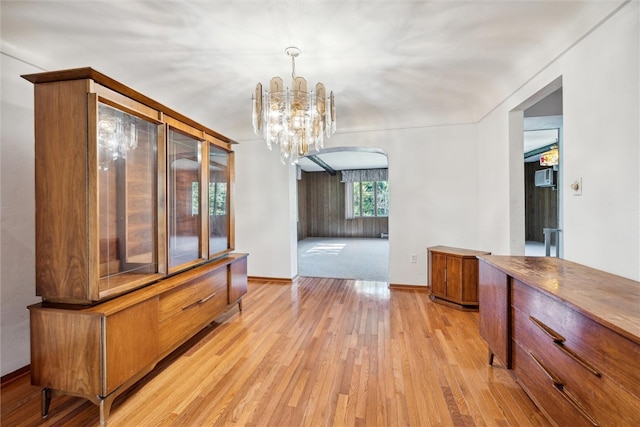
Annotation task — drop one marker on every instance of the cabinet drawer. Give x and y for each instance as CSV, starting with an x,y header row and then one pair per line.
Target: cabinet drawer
x,y
614,355
554,402
191,307
193,292
598,394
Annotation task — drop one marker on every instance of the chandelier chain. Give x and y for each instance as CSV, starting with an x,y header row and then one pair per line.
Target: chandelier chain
x,y
293,67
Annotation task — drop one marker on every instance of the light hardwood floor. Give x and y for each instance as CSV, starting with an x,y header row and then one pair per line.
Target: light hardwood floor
x,y
320,352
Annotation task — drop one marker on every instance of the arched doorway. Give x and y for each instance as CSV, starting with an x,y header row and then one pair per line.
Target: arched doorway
x,y
343,214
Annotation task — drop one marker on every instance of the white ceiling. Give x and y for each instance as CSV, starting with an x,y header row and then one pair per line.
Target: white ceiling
x,y
346,159
391,64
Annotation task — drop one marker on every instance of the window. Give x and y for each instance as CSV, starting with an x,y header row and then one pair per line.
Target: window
x,y
369,199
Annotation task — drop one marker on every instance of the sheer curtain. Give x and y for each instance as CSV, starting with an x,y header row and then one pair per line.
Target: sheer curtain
x,y
348,200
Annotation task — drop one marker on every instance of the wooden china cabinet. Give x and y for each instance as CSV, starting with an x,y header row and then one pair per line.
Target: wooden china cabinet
x,y
134,234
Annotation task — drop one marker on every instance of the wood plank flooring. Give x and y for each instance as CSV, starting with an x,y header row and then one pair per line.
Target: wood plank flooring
x,y
320,352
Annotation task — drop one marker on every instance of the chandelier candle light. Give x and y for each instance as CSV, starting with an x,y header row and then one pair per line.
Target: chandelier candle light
x,y
294,118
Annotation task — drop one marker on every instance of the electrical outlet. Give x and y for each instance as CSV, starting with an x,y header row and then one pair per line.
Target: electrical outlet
x,y
413,258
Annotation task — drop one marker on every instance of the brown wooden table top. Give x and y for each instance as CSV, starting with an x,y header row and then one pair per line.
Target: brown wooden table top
x,y
611,300
458,251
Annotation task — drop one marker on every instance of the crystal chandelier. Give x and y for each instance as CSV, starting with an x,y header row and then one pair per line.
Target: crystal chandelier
x,y
294,118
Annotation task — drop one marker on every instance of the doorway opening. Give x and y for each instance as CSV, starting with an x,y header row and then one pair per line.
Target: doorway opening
x,y
343,214
540,166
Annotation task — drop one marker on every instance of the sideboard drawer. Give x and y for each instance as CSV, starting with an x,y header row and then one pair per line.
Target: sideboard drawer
x,y
577,374
194,291
190,307
554,401
611,353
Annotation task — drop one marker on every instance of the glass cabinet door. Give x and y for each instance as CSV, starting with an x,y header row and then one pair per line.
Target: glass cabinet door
x,y
184,176
218,201
127,188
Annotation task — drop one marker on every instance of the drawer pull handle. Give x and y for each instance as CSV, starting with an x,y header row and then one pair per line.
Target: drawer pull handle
x,y
557,382
575,356
559,340
556,337
202,301
559,386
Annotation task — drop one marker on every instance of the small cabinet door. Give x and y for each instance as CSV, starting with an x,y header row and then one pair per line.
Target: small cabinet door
x,y
129,350
454,278
126,184
184,199
438,274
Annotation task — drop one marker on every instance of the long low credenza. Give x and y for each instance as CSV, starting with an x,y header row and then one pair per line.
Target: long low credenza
x,y
99,351
569,333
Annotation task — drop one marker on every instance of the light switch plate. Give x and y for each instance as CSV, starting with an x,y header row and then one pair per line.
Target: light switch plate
x,y
576,187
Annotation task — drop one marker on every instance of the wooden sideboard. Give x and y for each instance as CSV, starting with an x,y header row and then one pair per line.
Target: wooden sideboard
x,y
134,234
569,333
453,276
98,351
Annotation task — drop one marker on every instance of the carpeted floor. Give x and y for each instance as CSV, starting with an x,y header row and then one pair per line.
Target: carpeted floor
x,y
344,258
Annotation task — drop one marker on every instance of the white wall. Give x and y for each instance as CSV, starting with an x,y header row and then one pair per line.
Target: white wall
x,y
17,236
265,211
432,192
601,93
602,118
432,184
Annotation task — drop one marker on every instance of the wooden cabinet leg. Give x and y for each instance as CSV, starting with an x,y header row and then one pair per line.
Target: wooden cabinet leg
x,y
490,357
46,401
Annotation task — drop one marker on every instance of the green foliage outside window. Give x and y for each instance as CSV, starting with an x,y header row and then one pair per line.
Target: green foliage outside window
x,y
217,198
370,198
382,198
194,197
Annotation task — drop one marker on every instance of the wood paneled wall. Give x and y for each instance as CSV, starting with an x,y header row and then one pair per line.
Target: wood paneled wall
x,y
321,210
186,223
541,205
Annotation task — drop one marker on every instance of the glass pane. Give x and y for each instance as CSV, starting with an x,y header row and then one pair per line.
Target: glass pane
x,y
368,207
126,197
218,200
183,198
382,198
356,199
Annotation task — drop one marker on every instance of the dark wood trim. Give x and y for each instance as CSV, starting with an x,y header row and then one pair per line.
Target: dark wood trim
x,y
460,307
401,287
270,280
15,375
